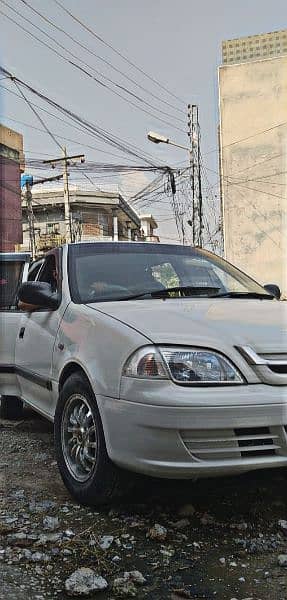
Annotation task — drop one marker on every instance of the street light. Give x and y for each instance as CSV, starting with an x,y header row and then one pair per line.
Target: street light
x,y
156,138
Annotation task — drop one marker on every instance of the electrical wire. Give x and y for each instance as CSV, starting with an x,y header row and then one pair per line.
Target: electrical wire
x,y
97,131
131,63
87,73
87,49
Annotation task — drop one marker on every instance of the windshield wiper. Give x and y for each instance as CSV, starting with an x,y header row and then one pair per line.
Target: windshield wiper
x,y
189,289
255,295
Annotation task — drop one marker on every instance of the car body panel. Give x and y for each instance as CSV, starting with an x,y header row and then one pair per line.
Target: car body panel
x,y
10,323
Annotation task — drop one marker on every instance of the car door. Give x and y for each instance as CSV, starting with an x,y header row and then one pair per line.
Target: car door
x,y
13,271
35,342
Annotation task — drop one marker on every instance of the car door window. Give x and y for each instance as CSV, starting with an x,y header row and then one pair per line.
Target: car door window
x,y
49,272
10,278
34,269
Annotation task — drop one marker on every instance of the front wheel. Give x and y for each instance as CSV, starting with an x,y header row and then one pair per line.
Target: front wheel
x,y
82,457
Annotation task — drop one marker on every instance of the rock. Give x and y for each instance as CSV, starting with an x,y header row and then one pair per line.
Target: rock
x,y
181,524
126,586
40,557
69,533
282,560
42,506
51,523
83,582
157,532
135,576
187,510
283,524
222,561
106,541
116,558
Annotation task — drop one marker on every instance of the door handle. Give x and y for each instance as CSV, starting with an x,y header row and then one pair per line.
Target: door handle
x,y
21,333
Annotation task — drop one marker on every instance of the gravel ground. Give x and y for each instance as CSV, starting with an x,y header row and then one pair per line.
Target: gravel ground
x,y
219,538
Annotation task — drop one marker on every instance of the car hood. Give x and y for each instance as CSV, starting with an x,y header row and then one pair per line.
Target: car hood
x,y
261,324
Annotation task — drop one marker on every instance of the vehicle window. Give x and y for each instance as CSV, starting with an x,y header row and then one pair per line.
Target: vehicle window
x,y
34,269
166,275
10,279
49,273
103,272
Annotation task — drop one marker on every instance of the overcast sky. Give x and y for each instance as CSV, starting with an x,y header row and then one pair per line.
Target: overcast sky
x,y
177,43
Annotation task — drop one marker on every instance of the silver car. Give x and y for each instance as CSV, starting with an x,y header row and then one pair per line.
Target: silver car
x,y
159,359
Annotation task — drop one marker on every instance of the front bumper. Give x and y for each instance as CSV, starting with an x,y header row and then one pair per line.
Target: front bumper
x,y
163,430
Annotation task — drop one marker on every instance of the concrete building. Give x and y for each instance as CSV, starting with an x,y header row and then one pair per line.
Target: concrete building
x,y
253,164
254,47
11,166
95,215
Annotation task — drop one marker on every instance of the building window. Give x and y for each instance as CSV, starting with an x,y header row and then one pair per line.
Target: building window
x,y
53,228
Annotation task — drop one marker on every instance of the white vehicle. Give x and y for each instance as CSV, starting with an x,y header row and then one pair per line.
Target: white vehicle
x,y
159,359
13,271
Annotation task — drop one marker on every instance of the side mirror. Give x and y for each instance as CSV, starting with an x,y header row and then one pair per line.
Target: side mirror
x,y
273,289
38,294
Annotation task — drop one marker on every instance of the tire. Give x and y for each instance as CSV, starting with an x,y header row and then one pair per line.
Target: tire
x,y
11,407
82,457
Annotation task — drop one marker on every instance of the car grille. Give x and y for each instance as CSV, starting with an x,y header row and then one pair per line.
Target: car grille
x,y
281,369
222,444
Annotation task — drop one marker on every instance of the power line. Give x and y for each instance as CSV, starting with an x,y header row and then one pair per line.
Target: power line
x,y
86,73
59,119
87,49
38,116
248,203
246,138
97,131
131,63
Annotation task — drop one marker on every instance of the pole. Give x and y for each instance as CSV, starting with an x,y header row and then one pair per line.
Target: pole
x,y
191,161
69,233
30,215
68,224
195,174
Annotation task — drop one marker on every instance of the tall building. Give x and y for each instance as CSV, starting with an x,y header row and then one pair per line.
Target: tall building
x,y
11,166
254,47
253,157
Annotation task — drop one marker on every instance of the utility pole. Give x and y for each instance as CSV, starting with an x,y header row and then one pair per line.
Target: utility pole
x,y
30,214
28,182
195,174
65,162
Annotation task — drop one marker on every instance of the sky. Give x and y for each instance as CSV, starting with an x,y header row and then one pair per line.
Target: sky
x,y
177,44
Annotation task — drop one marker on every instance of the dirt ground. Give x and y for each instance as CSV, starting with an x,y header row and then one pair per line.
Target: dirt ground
x,y
218,538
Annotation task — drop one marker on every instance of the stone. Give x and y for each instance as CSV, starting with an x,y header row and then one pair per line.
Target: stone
x,y
106,541
282,560
124,588
222,561
136,576
157,532
181,524
84,582
51,523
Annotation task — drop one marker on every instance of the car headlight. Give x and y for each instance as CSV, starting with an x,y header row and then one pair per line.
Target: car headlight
x,y
190,366
146,363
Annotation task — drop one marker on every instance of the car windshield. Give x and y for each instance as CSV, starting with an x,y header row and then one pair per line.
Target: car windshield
x,y
102,272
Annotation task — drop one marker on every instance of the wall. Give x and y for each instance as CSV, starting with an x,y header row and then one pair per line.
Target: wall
x,y
11,166
10,205
253,141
